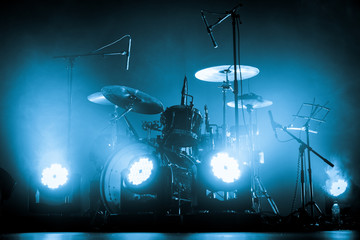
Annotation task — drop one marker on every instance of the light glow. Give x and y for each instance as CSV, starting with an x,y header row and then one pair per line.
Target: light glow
x,y
338,187
336,183
54,176
140,171
225,167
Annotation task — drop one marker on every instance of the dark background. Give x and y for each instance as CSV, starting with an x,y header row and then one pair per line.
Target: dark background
x,y
304,49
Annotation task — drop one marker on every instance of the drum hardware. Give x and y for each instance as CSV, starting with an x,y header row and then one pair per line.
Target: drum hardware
x,y
225,87
225,74
182,123
251,102
315,109
148,126
131,100
154,125
182,126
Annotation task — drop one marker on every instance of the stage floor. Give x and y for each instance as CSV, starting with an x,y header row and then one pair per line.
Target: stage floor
x,y
328,235
167,226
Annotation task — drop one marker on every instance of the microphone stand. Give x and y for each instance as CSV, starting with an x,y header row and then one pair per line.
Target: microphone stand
x,y
302,148
70,70
234,17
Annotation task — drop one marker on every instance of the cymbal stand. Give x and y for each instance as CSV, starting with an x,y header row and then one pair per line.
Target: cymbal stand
x,y
257,188
117,117
225,87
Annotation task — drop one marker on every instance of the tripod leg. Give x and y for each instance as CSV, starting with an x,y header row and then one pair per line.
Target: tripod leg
x,y
314,204
318,208
268,198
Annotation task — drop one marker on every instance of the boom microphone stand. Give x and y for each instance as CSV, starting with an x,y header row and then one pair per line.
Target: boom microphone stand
x,y
70,69
302,148
235,20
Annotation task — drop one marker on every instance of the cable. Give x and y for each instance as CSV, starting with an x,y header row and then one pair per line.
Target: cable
x,y
237,22
296,185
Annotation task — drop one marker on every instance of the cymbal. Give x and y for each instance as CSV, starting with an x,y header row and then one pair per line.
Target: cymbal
x,y
251,100
99,98
126,97
219,73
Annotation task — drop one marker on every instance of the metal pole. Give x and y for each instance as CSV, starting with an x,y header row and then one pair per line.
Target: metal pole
x,y
236,85
309,170
70,80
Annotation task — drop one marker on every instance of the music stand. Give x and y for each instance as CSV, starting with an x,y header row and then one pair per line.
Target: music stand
x,y
316,113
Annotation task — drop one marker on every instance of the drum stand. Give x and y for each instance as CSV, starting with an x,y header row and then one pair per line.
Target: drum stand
x,y
257,188
225,87
116,118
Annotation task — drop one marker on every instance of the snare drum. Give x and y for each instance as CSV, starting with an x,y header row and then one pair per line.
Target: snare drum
x,y
182,125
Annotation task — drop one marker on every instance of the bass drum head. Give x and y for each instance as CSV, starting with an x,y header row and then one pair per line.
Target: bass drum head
x,y
110,180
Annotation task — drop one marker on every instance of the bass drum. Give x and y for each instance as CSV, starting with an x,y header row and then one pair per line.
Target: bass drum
x,y
110,180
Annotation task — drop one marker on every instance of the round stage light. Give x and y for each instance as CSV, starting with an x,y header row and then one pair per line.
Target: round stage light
x,y
140,171
225,167
338,187
54,176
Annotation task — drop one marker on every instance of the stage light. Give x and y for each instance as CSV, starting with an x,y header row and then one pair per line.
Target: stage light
x,y
221,171
54,176
140,171
336,184
225,167
338,187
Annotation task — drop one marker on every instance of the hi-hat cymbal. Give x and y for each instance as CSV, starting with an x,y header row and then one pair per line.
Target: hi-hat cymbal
x,y
126,97
251,100
99,98
219,73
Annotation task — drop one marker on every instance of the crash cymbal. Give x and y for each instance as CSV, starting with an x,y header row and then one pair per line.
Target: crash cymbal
x,y
219,73
251,100
126,97
99,98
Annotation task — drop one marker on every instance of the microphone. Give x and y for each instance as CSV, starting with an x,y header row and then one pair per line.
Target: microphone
x,y
128,54
183,92
208,29
273,124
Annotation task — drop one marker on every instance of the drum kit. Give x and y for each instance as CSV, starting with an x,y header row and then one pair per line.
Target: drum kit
x,y
181,135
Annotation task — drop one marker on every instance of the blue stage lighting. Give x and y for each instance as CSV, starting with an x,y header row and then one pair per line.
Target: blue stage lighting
x,y
225,167
54,176
338,187
221,171
336,184
140,171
